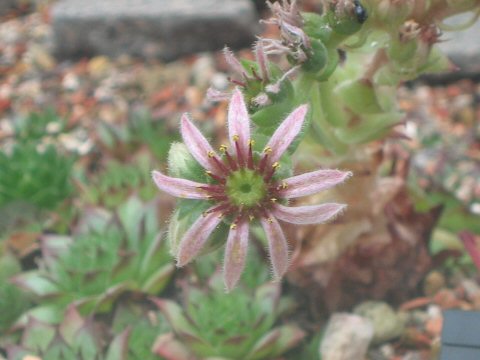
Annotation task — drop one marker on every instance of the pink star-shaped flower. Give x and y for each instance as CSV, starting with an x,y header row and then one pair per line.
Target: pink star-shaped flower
x,y
244,187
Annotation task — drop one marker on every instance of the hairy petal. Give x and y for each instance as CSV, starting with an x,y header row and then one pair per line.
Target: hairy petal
x,y
286,132
235,254
232,61
238,122
277,245
302,215
312,182
197,144
262,61
196,237
181,188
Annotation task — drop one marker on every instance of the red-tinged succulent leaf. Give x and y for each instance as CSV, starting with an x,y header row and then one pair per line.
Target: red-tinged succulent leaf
x,y
71,324
170,348
158,280
15,352
37,335
52,246
51,314
87,344
118,349
265,346
174,315
267,296
290,336
35,283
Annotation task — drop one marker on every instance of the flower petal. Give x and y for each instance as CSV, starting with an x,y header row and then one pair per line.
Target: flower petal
x,y
286,132
197,144
315,214
238,122
277,245
181,188
235,254
195,237
312,182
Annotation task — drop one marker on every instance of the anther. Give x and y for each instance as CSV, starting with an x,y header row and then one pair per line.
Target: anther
x,y
235,137
275,165
284,185
267,150
210,154
223,148
270,220
273,200
233,226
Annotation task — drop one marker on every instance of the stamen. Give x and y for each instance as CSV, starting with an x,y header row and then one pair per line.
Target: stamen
x,y
221,165
267,150
273,200
250,154
230,161
275,166
212,188
270,220
218,208
263,163
211,154
240,158
237,82
233,226
215,177
251,217
223,148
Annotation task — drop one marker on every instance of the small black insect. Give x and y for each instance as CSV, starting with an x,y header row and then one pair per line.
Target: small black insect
x,y
360,12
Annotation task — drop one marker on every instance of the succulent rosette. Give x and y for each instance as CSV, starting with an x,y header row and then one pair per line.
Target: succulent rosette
x,y
245,186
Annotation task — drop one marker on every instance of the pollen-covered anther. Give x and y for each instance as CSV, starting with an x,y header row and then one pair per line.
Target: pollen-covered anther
x,y
251,217
276,165
267,150
210,154
233,226
251,142
235,138
273,200
284,185
223,148
270,220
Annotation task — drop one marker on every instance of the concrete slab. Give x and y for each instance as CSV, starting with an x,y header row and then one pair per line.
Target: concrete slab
x,y
162,29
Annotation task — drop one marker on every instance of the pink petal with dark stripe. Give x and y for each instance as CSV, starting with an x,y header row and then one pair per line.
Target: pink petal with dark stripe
x,y
313,182
277,245
196,237
197,144
302,215
286,133
181,188
239,122
235,254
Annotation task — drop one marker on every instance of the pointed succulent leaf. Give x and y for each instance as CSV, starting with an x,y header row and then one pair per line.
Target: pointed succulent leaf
x,y
36,283
37,335
158,280
53,246
167,346
51,314
174,315
71,324
181,164
289,337
371,128
118,349
360,96
267,297
265,346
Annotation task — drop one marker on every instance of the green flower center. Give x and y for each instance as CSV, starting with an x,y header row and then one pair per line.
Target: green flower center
x,y
246,188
